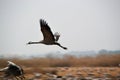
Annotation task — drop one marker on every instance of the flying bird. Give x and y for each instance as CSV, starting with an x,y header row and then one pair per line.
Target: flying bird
x,y
49,37
13,70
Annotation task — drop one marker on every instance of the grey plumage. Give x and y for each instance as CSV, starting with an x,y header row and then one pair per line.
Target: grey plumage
x,y
48,37
13,70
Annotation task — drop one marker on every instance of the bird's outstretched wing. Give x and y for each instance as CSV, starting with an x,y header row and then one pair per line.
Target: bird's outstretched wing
x,y
46,31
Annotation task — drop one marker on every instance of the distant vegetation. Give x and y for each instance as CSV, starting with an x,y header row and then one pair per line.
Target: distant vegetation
x,y
103,60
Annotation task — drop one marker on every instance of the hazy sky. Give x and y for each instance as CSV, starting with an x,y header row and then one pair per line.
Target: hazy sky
x,y
83,25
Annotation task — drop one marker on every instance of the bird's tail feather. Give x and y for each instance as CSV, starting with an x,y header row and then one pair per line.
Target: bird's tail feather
x,y
56,35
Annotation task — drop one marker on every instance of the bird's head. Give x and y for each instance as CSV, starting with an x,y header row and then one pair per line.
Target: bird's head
x,y
11,63
29,42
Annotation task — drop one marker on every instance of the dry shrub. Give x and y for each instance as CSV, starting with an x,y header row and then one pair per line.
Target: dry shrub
x,y
3,62
67,61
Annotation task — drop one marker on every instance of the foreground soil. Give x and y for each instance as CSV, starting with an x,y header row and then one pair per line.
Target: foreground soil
x,y
94,72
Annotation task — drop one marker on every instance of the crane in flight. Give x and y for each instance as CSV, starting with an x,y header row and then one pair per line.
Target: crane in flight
x,y
48,37
13,71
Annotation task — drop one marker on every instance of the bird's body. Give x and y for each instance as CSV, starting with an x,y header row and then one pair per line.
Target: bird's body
x,y
13,70
49,38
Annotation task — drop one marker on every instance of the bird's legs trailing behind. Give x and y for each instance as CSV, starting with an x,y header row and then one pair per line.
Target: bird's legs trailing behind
x,y
61,46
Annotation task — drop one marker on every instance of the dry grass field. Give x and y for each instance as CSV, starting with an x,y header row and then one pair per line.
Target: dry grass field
x,y
81,68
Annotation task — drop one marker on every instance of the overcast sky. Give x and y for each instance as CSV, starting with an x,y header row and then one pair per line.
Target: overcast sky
x,y
83,25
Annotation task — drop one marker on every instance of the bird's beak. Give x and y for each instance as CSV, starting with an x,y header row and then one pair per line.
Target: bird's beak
x,y
27,43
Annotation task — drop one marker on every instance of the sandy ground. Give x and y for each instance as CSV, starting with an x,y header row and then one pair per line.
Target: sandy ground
x,y
96,72
74,73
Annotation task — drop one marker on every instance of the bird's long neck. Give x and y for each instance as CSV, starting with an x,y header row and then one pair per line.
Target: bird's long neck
x,y
34,42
